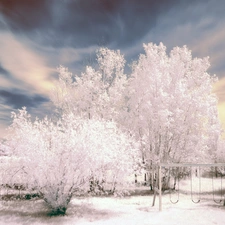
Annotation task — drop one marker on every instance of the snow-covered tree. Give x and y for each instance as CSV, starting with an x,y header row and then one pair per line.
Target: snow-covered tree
x,y
77,95
111,67
96,93
220,153
57,158
167,101
171,106
167,104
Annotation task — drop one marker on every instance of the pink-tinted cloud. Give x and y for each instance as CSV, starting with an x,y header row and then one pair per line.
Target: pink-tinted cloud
x,y
26,66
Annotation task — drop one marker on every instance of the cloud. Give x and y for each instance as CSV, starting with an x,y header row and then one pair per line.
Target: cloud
x,y
27,67
25,78
5,118
18,100
219,89
3,71
203,32
4,113
26,15
84,23
221,110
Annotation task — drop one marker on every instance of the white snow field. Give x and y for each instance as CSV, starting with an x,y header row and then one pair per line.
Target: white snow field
x,y
131,210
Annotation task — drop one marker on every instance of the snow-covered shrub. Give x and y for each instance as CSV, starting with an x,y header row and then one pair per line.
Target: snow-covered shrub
x,y
57,158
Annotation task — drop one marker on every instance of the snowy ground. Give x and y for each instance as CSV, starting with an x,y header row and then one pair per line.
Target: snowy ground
x,y
128,210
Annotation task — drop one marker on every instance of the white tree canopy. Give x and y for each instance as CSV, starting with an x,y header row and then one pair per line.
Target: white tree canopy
x,y
96,93
171,105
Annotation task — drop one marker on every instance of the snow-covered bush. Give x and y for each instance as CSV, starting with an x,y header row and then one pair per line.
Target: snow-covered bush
x,y
57,158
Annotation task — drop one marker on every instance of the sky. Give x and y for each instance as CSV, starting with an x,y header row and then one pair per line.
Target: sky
x,y
36,36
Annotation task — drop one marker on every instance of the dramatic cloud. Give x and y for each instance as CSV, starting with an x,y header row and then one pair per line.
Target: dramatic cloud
x,y
38,36
26,67
67,23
